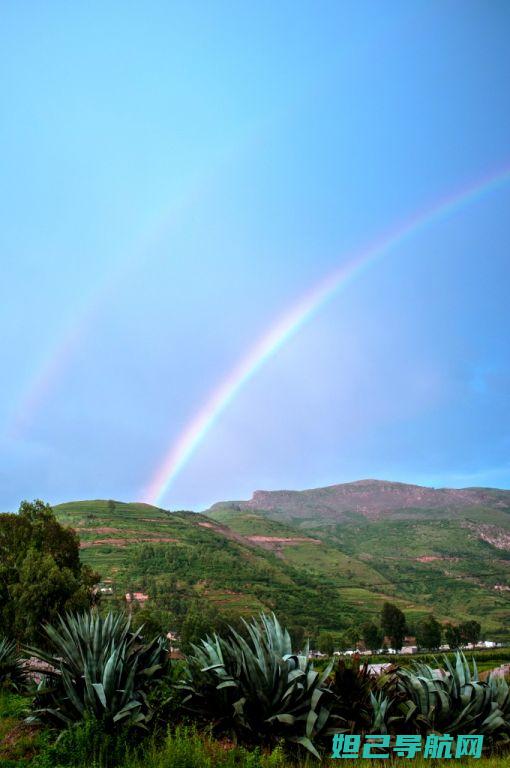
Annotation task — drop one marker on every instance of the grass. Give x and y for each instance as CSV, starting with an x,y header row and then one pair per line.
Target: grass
x,y
182,747
18,742
185,747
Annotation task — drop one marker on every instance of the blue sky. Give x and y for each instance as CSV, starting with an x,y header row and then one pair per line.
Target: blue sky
x,y
176,175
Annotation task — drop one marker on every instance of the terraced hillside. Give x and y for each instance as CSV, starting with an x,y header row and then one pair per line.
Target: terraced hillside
x,y
318,570
143,548
454,559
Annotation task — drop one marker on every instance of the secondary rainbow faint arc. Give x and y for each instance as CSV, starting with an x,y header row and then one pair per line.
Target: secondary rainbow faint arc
x,y
287,325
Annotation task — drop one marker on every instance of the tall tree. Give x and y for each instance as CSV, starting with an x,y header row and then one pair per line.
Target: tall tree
x,y
372,635
393,624
428,633
470,631
40,571
326,643
452,636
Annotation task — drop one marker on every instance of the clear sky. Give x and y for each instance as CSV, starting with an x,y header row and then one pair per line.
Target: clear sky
x,y
176,175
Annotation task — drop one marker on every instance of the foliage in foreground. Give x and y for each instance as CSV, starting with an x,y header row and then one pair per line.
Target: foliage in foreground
x,y
105,681
99,669
453,700
12,672
258,688
86,746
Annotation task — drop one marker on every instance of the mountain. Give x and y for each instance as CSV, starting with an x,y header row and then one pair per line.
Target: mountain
x,y
445,550
323,558
373,499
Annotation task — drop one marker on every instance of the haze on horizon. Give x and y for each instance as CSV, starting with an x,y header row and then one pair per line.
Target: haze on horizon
x,y
176,176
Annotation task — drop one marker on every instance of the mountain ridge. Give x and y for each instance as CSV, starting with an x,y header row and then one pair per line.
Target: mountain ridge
x,y
370,498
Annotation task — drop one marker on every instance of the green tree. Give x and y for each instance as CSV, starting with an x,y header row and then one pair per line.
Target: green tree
x,y
297,635
40,571
153,621
200,620
452,636
326,643
372,635
470,631
428,633
393,624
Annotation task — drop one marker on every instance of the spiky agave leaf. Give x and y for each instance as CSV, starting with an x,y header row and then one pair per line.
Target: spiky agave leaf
x,y
453,700
256,687
12,669
98,668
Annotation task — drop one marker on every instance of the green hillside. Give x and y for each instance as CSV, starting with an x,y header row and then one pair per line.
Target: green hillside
x,y
143,548
453,560
316,571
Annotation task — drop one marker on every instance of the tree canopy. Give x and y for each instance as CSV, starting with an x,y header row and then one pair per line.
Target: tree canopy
x,y
393,624
40,571
428,633
372,635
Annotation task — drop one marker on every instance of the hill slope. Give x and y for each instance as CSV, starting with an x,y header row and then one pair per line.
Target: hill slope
x,y
323,558
446,549
144,548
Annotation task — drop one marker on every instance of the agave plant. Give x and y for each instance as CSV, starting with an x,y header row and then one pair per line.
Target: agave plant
x,y
453,700
98,667
500,691
352,687
12,670
257,687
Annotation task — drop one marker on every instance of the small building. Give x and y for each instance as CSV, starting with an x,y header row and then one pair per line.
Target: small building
x,y
409,649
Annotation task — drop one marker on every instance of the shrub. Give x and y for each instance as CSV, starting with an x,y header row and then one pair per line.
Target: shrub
x,y
352,687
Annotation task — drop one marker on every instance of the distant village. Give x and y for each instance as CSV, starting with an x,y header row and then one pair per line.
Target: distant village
x,y
409,647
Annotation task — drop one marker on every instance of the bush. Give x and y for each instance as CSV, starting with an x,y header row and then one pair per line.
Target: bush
x,y
352,688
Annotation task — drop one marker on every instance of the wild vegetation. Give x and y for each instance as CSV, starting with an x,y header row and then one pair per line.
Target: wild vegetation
x,y
41,573
97,668
86,677
109,698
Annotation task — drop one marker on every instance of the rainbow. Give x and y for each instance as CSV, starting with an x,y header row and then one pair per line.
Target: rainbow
x,y
51,369
289,324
